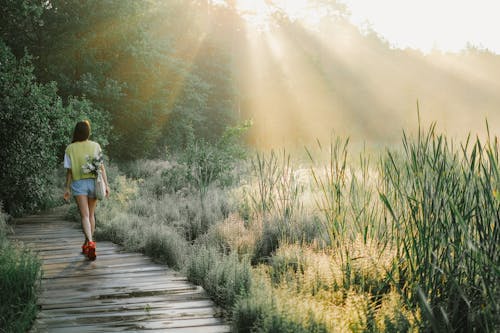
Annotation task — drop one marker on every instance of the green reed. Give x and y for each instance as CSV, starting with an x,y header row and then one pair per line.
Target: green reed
x,y
278,190
332,185
446,216
267,173
346,196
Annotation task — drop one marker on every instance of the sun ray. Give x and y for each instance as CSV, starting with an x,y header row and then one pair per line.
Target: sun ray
x,y
301,82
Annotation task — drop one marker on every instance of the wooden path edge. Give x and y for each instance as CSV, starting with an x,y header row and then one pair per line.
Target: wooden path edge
x,y
120,291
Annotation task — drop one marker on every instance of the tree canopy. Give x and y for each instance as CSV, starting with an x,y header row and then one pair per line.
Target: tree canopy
x,y
159,68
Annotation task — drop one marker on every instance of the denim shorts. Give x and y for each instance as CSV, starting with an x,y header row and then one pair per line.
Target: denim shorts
x,y
83,187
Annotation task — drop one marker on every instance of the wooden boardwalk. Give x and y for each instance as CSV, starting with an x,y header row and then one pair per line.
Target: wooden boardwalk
x,y
120,291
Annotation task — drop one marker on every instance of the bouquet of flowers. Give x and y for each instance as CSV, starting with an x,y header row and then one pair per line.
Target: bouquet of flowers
x,y
93,164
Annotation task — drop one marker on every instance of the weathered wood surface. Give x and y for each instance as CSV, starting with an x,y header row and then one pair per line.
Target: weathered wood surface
x,y
120,291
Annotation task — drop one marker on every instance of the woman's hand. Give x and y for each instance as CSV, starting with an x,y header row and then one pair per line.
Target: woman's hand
x,y
66,195
107,191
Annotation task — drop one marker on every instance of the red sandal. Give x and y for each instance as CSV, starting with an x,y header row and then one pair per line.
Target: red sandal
x,y
85,248
91,251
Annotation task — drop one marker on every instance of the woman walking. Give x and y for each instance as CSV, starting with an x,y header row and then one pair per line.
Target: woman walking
x,y
80,180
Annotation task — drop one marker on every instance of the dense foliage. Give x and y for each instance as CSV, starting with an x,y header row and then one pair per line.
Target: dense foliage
x,y
30,132
446,213
160,69
34,129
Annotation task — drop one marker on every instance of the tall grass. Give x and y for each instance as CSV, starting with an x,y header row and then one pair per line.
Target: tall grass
x,y
276,204
268,173
331,183
20,274
408,244
446,229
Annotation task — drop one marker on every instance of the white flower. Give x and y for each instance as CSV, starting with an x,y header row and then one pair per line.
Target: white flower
x,y
93,164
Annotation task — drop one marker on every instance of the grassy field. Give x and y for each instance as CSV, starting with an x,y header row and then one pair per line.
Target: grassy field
x,y
403,241
20,274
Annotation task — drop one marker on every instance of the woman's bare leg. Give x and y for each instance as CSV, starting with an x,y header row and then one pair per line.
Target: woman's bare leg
x,y
83,207
92,202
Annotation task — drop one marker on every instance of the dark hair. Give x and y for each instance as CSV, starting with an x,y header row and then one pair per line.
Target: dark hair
x,y
82,131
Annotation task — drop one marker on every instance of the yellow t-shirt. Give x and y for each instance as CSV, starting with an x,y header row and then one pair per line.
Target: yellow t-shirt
x,y
77,152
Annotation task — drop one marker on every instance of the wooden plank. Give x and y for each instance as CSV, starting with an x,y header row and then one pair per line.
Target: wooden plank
x,y
121,286
119,291
84,282
124,302
104,255
142,321
76,270
51,317
135,306
126,292
94,274
198,329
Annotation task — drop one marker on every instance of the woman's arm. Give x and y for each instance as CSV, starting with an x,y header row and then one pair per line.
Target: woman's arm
x,y
105,178
67,190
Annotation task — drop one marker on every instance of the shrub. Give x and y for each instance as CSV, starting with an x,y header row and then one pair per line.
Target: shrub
x,y
268,240
174,178
31,131
263,310
164,243
20,274
208,163
231,235
34,129
229,279
224,277
250,312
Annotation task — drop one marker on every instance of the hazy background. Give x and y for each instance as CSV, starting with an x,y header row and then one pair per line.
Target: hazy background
x,y
306,77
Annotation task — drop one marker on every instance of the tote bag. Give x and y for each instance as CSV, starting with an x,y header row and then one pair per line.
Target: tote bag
x,y
100,187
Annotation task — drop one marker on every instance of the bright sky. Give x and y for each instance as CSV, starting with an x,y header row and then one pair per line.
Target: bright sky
x,y
426,24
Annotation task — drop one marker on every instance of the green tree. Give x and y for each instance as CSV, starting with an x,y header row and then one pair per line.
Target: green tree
x,y
30,132
21,24
34,129
161,69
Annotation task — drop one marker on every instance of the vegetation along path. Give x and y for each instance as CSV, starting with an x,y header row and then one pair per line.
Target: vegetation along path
x,y
119,291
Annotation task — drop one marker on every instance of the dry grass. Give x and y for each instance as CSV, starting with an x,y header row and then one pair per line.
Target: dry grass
x,y
349,248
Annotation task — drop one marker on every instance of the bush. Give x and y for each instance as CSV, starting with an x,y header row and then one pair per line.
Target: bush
x,y
165,244
267,242
225,277
34,129
31,130
20,274
249,312
264,311
208,163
